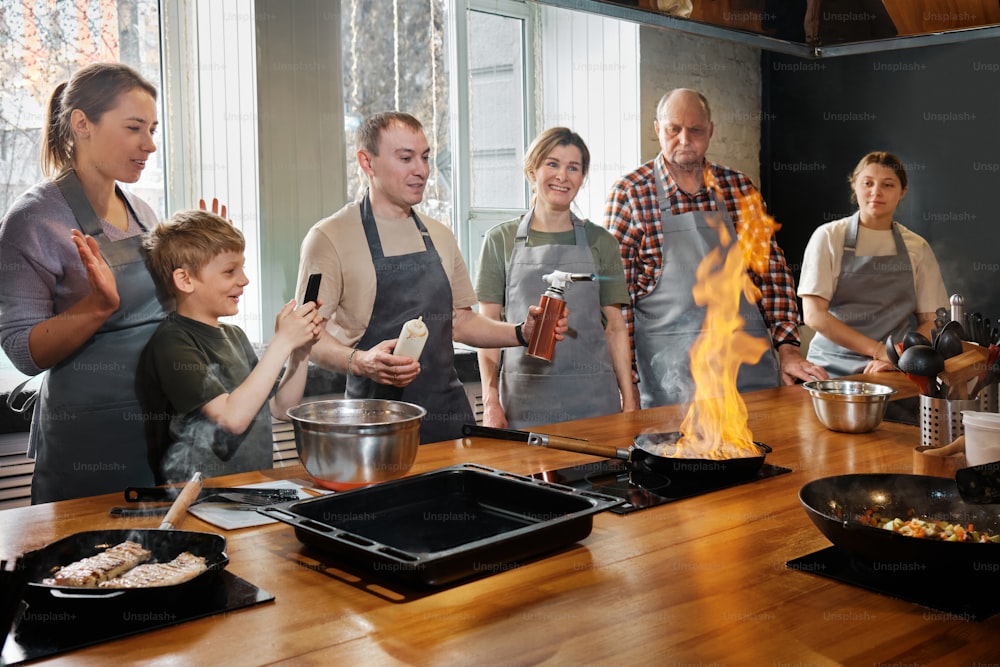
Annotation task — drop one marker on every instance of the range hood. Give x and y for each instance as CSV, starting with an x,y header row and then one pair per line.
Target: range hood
x,y
811,28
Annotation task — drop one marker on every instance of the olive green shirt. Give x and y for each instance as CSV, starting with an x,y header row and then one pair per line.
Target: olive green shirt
x,y
491,281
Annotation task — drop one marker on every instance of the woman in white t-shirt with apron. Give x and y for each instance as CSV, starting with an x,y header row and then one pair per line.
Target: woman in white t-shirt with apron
x,y
866,277
590,373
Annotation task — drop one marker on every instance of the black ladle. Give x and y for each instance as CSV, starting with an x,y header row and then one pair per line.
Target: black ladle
x,y
912,338
949,340
922,363
891,351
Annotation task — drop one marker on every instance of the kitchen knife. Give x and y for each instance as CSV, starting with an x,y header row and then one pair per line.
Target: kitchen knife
x,y
137,494
979,484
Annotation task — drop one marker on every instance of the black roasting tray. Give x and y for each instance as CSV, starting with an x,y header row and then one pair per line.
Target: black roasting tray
x,y
438,527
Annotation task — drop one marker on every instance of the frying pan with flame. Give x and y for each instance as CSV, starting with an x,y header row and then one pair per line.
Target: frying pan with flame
x,y
643,456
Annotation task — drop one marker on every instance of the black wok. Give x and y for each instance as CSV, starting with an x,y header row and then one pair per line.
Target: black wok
x,y
836,504
165,545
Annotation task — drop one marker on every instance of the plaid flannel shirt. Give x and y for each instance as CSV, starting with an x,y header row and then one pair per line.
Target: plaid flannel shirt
x,y
632,215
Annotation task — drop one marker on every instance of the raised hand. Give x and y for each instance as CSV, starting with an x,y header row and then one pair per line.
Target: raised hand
x,y
103,287
219,210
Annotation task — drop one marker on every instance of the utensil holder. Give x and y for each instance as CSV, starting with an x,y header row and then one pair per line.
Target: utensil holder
x,y
941,419
988,398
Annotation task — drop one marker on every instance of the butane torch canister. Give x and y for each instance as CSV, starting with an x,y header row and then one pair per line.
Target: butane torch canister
x,y
542,343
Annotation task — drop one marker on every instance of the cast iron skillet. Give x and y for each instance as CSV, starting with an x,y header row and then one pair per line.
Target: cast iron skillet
x,y
165,545
835,504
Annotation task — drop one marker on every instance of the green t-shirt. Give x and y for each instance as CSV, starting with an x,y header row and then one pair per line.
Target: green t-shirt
x,y
491,280
185,365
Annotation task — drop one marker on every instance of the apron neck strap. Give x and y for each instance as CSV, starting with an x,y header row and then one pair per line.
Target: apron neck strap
x,y
371,228
72,191
523,227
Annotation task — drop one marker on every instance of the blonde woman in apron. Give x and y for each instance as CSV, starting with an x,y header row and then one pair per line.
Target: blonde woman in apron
x,y
78,301
866,277
590,373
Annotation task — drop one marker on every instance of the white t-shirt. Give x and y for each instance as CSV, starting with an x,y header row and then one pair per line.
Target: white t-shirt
x,y
822,259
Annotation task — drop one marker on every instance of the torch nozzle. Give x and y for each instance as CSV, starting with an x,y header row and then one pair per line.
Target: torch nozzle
x,y
560,279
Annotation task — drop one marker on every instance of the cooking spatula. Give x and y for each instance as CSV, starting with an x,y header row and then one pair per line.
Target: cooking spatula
x,y
979,484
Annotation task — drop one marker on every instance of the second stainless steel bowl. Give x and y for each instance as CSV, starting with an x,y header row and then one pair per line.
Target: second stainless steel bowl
x,y
848,406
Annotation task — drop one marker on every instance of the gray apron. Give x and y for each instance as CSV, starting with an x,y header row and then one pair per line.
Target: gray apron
x,y
667,321
407,287
875,296
580,380
87,430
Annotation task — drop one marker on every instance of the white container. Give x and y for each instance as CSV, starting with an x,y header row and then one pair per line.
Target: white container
x,y
982,437
411,339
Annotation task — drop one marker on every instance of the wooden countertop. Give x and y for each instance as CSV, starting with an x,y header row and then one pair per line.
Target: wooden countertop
x,y
699,580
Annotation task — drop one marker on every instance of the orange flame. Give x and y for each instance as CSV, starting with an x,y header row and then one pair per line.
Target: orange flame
x,y
715,426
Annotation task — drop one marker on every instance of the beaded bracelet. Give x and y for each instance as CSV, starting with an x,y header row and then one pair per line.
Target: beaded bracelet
x,y
350,362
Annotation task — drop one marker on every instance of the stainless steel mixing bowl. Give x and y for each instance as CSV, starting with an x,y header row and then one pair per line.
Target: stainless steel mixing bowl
x,y
348,443
847,406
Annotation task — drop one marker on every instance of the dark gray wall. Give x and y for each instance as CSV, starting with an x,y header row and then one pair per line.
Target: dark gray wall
x,y
937,108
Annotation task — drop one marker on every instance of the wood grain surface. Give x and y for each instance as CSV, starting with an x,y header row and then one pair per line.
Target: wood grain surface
x,y
700,581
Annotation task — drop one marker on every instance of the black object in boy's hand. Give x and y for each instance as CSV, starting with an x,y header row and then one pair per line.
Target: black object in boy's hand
x,y
312,288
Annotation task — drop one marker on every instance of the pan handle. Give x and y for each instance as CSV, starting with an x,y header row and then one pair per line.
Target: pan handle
x,y
576,445
85,596
184,500
475,430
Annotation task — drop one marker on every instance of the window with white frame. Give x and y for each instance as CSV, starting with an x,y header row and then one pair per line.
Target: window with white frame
x,y
210,125
531,67
395,58
495,109
589,73
472,81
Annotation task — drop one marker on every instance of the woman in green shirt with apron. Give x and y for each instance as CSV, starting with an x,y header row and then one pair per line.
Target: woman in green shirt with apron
x,y
590,373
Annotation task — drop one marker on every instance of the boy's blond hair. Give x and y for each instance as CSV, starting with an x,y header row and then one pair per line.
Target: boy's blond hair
x,y
189,240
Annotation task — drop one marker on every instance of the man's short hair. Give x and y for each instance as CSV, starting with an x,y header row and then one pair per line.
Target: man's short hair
x,y
661,106
189,240
371,128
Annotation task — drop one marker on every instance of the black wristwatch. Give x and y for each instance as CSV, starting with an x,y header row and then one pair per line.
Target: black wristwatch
x,y
520,334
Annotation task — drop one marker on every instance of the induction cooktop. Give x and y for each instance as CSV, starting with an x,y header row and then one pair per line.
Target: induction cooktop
x,y
953,600
49,625
641,489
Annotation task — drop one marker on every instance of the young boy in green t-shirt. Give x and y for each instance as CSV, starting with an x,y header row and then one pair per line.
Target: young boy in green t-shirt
x,y
207,399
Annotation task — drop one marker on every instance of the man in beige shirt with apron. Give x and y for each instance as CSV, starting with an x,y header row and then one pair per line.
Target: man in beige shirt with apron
x,y
383,265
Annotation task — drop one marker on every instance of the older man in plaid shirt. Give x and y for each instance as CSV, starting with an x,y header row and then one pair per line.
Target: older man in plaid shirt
x,y
665,215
